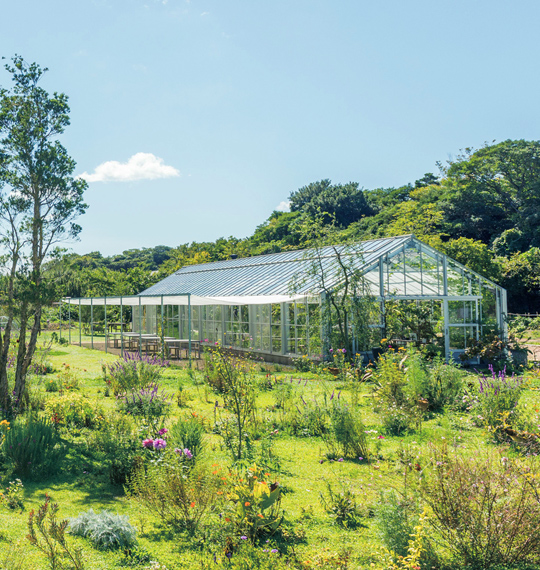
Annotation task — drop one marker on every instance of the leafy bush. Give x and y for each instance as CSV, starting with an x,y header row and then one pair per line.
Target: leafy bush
x,y
486,509
133,372
341,506
302,364
435,385
188,433
116,445
33,448
105,530
72,410
13,497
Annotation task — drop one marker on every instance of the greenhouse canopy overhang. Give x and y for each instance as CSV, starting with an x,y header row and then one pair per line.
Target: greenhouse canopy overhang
x,y
184,299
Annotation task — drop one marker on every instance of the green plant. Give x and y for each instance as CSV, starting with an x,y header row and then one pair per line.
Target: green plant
x,y
341,506
105,530
51,385
33,448
133,372
257,504
72,410
147,405
396,518
398,410
180,493
234,377
347,437
49,536
13,497
188,433
496,405
486,508
302,363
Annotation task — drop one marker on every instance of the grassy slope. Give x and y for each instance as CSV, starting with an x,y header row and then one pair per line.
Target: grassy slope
x,y
303,475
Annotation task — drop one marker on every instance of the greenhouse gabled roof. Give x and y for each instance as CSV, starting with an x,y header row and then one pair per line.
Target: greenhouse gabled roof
x,y
270,274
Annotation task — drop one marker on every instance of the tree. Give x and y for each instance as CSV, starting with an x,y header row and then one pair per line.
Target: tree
x,y
494,189
334,270
342,204
39,203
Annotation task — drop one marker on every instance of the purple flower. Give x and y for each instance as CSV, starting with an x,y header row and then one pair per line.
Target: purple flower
x,y
148,443
343,350
274,550
160,443
243,537
360,459
188,453
340,459
331,350
163,431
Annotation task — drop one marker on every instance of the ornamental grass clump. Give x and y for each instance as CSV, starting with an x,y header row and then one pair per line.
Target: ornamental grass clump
x,y
133,372
485,509
33,448
347,435
105,530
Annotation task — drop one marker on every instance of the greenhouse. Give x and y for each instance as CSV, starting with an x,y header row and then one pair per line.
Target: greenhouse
x,y
274,305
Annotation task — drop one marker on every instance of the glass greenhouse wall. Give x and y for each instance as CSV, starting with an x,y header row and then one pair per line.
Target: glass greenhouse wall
x,y
247,304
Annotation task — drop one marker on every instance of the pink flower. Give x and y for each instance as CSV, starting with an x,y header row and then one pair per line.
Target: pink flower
x,y
380,437
163,431
160,443
148,443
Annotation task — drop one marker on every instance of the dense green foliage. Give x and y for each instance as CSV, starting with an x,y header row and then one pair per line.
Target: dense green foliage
x,y
482,210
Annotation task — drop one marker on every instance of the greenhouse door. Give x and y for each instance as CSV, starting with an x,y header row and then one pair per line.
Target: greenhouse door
x,y
461,327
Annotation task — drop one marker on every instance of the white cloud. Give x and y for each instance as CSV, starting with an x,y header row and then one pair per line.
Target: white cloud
x,y
141,166
205,13
284,206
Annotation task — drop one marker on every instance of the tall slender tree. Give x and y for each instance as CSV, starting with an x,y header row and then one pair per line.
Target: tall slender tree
x,y
39,202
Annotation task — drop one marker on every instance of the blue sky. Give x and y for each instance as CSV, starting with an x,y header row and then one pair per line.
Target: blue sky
x,y
225,107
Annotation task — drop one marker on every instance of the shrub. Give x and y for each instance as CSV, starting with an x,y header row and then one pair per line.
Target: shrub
x,y
486,509
180,493
72,410
105,530
302,364
33,448
446,384
13,497
133,372
188,433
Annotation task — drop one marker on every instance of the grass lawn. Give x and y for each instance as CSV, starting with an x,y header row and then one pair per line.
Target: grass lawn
x,y
82,483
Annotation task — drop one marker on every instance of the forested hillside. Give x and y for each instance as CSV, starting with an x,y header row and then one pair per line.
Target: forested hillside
x,y
482,208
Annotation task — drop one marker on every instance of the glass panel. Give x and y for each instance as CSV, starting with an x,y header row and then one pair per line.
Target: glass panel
x,y
457,338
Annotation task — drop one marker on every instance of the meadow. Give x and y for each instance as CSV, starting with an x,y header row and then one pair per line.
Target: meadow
x,y
399,465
